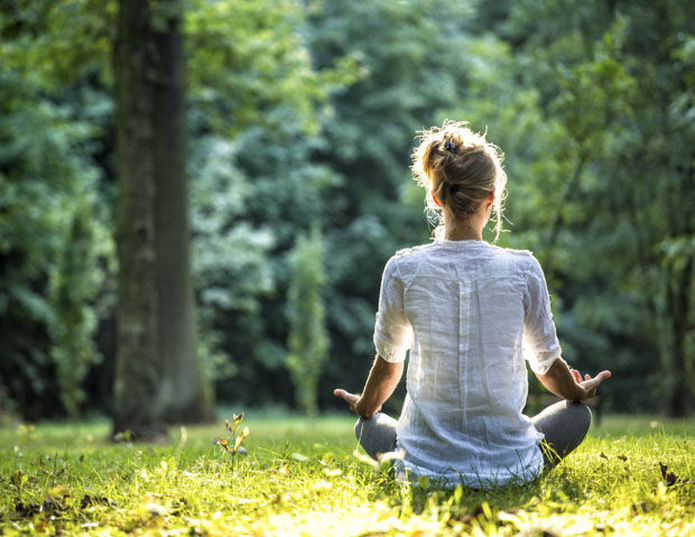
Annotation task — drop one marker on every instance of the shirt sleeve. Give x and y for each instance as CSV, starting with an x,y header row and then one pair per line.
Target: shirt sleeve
x,y
539,327
393,333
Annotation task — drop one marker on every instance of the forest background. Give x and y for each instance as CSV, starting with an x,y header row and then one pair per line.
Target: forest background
x,y
301,118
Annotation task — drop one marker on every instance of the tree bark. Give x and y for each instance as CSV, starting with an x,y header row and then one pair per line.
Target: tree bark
x,y
136,372
159,378
185,394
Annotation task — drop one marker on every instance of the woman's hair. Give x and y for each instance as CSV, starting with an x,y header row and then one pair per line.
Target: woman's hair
x,y
461,168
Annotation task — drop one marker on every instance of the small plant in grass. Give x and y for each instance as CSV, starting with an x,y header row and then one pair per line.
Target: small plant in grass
x,y
234,445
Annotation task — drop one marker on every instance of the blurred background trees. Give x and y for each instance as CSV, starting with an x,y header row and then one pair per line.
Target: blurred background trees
x,y
305,112
308,340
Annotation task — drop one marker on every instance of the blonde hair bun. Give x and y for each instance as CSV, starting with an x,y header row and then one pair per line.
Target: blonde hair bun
x,y
461,168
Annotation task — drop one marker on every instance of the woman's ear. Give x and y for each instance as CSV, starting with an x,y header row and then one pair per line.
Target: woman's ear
x,y
490,199
436,199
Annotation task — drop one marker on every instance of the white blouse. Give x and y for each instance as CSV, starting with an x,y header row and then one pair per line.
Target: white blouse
x,y
466,309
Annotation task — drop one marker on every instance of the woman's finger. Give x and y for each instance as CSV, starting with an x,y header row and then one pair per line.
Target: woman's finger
x,y
603,375
350,398
593,383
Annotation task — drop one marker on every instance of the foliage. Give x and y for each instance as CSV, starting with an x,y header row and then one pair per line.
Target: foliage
x,y
234,446
75,291
409,66
230,265
55,248
255,104
249,66
300,477
308,340
608,85
303,112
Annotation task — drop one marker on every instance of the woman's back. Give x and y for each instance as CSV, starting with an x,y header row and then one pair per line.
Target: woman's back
x,y
463,307
467,303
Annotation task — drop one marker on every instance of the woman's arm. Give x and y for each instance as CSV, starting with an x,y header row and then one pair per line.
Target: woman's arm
x,y
381,382
568,384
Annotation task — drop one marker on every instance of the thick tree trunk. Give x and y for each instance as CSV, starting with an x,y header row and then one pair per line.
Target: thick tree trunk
x,y
185,395
158,376
137,377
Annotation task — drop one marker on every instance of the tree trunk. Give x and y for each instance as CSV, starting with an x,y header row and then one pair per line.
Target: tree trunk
x,y
158,376
680,288
185,395
136,372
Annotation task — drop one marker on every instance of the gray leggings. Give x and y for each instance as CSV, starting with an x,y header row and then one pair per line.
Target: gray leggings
x,y
564,425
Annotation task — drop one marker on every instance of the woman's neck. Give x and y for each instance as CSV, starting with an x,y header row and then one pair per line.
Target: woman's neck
x,y
470,229
462,235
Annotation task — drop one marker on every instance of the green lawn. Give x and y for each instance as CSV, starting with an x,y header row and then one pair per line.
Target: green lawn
x,y
301,477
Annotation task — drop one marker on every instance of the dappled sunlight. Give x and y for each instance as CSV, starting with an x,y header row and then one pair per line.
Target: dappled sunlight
x,y
200,201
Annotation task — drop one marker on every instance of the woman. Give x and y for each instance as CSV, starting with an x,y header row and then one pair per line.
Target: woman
x,y
465,308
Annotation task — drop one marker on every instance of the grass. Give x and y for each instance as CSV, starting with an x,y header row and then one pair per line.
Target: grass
x,y
300,477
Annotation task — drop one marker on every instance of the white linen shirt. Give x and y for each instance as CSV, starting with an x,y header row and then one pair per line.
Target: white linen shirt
x,y
464,308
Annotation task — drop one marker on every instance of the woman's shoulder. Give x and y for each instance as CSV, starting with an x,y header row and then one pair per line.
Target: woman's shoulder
x,y
413,250
437,248
512,252
520,257
522,260
406,260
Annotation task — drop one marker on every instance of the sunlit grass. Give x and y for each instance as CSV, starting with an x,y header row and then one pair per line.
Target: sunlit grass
x,y
300,477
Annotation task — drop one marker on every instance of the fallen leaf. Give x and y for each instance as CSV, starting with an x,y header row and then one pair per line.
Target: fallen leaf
x,y
284,469
91,501
669,477
28,510
18,479
155,509
321,485
639,508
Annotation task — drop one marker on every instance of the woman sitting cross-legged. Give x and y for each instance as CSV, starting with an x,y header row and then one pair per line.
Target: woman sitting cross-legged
x,y
464,308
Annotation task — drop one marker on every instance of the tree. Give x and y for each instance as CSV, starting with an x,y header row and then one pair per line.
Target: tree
x,y
158,376
184,394
308,340
55,250
410,69
615,82
256,106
